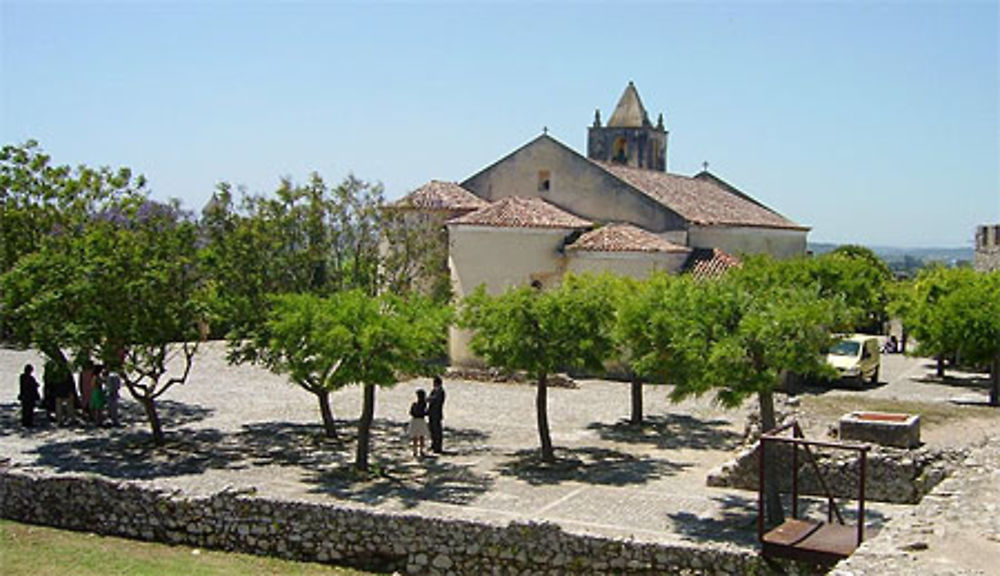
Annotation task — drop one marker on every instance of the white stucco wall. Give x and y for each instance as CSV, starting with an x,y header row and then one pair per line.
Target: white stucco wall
x,y
780,243
500,258
632,264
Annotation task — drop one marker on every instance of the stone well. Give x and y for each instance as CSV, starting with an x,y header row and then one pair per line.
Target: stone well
x,y
883,428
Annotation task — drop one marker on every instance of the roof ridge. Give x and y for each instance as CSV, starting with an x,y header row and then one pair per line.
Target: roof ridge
x,y
624,237
702,201
522,212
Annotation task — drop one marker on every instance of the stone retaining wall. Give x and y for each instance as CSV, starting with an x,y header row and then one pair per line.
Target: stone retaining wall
x,y
337,533
897,476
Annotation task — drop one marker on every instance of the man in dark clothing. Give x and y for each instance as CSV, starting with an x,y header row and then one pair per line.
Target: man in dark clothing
x,y
63,388
28,396
435,413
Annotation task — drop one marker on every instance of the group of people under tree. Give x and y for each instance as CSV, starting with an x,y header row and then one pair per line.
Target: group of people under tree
x,y
432,408
96,401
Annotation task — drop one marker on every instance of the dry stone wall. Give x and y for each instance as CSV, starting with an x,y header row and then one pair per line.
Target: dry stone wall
x,y
357,536
893,475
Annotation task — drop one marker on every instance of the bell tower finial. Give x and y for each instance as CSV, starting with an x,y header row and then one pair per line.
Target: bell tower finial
x,y
629,138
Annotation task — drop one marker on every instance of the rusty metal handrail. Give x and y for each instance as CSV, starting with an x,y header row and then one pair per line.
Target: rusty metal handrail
x,y
798,438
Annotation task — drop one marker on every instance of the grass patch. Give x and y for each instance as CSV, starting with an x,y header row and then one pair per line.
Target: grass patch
x,y
41,551
829,408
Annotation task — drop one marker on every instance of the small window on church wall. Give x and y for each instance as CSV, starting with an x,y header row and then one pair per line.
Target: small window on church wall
x,y
544,180
656,151
619,156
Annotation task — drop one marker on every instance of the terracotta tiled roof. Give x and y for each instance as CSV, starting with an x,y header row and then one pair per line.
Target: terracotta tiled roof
x,y
702,201
520,212
437,195
710,263
624,238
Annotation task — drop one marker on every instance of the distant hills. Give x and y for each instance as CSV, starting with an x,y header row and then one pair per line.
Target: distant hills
x,y
893,254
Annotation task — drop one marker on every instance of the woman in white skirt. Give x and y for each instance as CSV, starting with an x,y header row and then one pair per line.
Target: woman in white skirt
x,y
418,430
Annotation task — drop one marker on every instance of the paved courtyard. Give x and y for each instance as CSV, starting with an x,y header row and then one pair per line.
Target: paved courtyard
x,y
244,428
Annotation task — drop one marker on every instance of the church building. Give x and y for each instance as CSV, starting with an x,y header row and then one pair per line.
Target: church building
x,y
545,210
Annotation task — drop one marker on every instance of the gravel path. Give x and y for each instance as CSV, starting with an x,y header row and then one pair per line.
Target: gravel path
x,y
242,427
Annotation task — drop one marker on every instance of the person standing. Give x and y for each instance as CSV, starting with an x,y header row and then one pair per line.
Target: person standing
x,y
417,429
28,395
49,386
435,414
98,400
112,390
62,389
86,388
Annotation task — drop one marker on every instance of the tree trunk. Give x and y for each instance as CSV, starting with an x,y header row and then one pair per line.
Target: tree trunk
x,y
329,424
364,428
154,421
940,366
636,400
995,377
772,498
542,412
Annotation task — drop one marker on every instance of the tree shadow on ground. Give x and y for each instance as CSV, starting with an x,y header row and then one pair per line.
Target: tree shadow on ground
x,y
968,381
10,419
172,415
672,431
132,454
736,520
396,475
588,465
734,523
817,386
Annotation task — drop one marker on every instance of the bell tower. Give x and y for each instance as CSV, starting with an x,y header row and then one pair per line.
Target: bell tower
x,y
629,138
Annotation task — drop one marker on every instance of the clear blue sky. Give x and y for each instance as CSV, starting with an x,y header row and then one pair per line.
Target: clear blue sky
x,y
872,123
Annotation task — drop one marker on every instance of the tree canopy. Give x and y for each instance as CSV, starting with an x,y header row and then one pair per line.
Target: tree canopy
x,y
350,337
955,313
125,291
542,332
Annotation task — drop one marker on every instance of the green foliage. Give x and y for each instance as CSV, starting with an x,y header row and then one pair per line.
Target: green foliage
x,y
306,238
123,290
861,278
542,332
734,336
39,199
350,337
853,275
324,344
923,305
414,258
954,312
310,238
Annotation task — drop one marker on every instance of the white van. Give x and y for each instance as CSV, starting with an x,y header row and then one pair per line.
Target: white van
x,y
857,358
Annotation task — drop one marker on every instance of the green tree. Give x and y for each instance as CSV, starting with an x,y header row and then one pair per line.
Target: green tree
x,y
350,337
415,254
919,304
306,238
125,291
859,276
636,344
738,336
39,199
541,332
970,315
955,312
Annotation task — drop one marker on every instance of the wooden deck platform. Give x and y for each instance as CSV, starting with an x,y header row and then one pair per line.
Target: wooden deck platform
x,y
818,542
